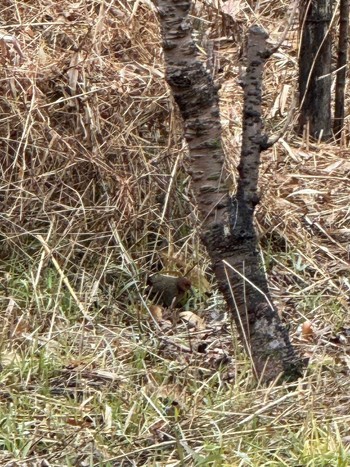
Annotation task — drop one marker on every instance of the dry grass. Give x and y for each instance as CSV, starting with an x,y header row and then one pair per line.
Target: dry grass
x,y
95,195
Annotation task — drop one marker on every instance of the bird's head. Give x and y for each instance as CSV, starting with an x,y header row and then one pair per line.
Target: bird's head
x,y
184,284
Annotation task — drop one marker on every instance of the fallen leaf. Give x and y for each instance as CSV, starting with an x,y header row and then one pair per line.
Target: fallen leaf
x,y
157,312
193,320
231,8
307,330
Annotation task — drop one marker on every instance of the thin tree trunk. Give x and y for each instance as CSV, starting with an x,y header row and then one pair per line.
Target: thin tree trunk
x,y
227,223
315,68
341,68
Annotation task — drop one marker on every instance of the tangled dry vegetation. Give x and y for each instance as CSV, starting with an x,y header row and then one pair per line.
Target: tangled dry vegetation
x,y
94,196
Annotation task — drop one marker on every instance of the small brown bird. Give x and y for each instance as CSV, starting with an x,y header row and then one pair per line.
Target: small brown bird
x,y
168,290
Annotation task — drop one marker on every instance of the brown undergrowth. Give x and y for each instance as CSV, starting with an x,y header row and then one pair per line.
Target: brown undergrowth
x,y
95,196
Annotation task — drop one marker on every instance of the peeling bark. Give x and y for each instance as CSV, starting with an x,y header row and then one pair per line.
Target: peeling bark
x,y
227,223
